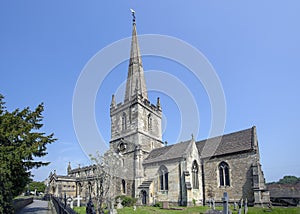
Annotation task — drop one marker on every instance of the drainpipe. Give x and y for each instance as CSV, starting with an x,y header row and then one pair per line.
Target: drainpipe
x,y
203,181
180,183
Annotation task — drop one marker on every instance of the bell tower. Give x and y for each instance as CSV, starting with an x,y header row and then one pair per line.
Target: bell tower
x,y
135,122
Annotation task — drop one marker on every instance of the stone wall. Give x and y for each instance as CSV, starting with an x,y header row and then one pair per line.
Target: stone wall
x,y
19,203
172,194
240,173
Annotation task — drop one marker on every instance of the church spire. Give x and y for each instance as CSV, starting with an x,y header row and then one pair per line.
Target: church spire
x,y
135,84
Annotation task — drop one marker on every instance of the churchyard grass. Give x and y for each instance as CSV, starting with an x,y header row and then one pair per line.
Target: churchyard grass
x,y
197,210
79,210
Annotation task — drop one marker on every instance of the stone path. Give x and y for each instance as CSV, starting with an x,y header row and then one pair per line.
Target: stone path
x,y
37,207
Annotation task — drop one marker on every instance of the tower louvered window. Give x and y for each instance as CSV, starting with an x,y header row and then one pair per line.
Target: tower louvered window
x,y
124,124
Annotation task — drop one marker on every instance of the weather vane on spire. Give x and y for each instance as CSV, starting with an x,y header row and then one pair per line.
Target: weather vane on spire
x,y
133,15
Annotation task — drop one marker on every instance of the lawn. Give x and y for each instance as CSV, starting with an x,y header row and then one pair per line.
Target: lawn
x,y
197,210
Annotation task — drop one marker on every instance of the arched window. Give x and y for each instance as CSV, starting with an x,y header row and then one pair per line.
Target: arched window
x,y
123,186
163,178
149,122
195,177
224,174
124,125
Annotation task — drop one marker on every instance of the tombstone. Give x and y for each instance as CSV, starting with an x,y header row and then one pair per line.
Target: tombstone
x,y
134,208
213,204
112,209
234,206
70,202
225,203
65,200
90,207
165,205
119,203
240,206
246,206
213,212
78,198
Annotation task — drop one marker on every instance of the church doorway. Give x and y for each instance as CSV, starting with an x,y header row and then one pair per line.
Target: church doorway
x,y
144,197
53,190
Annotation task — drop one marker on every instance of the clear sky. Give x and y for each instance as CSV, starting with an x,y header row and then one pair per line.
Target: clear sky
x,y
254,47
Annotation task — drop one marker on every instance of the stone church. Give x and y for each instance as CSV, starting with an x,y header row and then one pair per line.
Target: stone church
x,y
181,173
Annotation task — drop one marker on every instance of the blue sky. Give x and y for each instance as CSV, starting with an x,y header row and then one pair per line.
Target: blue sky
x,y
254,47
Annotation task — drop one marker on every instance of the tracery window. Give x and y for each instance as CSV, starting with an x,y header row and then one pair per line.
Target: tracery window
x,y
224,174
195,175
163,178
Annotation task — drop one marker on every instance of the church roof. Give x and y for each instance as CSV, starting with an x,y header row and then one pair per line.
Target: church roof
x,y
284,190
174,151
235,142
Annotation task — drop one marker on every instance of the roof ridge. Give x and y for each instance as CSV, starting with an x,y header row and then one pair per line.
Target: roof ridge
x,y
231,133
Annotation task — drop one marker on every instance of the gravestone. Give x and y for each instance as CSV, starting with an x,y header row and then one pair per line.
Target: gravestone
x,y
90,207
78,198
213,204
112,209
234,206
240,206
213,212
119,203
225,203
246,206
70,202
165,205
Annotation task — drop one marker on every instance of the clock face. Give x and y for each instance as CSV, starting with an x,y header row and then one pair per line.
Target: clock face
x,y
122,146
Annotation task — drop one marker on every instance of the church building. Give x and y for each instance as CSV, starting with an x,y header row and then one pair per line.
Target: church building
x,y
182,173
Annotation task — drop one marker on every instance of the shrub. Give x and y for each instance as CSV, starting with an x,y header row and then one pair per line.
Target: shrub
x,y
157,204
127,201
194,202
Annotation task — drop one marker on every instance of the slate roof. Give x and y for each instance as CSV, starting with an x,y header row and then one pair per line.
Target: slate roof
x,y
168,152
284,190
240,141
235,142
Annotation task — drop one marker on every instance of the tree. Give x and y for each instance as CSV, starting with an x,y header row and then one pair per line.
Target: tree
x,y
38,186
107,170
289,179
20,143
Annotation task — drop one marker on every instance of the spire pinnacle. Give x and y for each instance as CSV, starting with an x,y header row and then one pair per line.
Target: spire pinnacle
x,y
113,101
136,84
